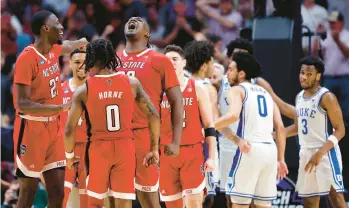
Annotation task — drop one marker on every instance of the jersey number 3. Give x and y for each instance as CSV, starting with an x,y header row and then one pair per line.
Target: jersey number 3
x,y
113,117
262,106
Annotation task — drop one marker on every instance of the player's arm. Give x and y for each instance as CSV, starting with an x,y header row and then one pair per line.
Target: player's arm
x,y
69,46
213,97
235,97
74,115
330,103
280,133
286,109
206,118
144,103
175,98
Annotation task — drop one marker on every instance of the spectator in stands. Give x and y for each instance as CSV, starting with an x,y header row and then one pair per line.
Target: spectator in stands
x,y
224,22
314,17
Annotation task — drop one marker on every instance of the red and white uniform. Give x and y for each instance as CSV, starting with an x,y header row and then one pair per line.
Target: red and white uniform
x,y
156,74
72,176
37,139
111,156
182,175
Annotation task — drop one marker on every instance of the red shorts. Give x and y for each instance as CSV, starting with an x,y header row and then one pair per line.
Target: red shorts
x,y
111,165
147,179
182,175
79,175
38,146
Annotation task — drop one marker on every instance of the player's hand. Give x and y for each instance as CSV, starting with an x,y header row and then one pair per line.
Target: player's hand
x,y
72,163
282,170
151,158
171,150
67,106
209,165
313,162
335,35
244,146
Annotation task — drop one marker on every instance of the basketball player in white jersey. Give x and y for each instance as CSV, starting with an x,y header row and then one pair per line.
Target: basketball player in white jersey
x,y
320,162
227,148
199,62
258,160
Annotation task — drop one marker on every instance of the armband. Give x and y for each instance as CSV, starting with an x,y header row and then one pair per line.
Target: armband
x,y
333,139
210,132
69,155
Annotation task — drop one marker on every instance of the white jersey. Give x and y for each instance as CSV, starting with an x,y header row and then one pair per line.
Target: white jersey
x,y
256,119
312,120
224,143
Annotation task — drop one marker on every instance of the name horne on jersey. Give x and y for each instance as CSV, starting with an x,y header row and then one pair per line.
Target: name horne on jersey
x,y
110,94
50,70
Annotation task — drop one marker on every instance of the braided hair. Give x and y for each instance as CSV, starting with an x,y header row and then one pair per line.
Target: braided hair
x,y
100,52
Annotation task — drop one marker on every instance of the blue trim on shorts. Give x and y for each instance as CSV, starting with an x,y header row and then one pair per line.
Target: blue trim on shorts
x,y
251,196
313,194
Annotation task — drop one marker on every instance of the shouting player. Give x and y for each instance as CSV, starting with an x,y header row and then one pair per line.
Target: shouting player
x,y
320,162
157,75
199,62
38,102
107,100
77,58
257,158
183,176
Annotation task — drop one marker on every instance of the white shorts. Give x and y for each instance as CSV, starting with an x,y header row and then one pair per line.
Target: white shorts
x,y
212,178
327,173
253,175
225,162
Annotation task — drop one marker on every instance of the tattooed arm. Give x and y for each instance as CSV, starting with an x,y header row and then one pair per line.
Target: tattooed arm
x,y
144,103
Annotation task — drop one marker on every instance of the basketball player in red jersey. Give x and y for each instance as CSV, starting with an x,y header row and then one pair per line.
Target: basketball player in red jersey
x,y
38,102
107,100
157,75
184,175
77,58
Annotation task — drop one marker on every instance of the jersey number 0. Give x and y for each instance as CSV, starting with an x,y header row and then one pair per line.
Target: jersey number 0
x,y
113,117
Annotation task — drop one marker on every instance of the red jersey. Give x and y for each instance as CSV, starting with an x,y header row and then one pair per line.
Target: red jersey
x,y
68,92
192,128
41,73
156,74
109,107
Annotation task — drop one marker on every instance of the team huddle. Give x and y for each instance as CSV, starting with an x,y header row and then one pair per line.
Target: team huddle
x,y
142,122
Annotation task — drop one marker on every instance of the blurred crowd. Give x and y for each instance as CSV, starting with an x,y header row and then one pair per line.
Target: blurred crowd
x,y
171,22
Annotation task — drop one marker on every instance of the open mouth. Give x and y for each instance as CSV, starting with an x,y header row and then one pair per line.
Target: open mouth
x,y
132,26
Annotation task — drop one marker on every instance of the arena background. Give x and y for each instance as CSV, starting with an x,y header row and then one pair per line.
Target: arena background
x,y
275,28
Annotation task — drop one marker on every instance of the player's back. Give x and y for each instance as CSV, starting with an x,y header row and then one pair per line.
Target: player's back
x,y
109,107
192,127
256,118
156,74
312,119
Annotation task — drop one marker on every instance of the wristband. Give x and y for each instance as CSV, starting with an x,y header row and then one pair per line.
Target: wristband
x,y
69,155
333,139
210,132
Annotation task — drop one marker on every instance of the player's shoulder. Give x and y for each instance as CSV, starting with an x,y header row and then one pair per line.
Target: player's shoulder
x,y
157,58
27,54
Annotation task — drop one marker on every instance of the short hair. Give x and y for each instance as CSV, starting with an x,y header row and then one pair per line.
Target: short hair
x,y
241,44
213,38
38,20
313,61
196,54
174,48
76,51
101,51
247,63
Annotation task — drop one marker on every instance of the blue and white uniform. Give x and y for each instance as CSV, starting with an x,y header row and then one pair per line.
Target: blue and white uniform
x,y
227,148
313,132
253,175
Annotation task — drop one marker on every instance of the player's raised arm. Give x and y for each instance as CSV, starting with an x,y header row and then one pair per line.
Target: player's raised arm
x,y
286,109
74,115
235,97
69,46
207,121
280,142
213,97
144,103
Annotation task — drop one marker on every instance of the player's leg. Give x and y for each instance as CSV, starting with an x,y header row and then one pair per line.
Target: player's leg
x,y
261,204
192,175
54,179
226,160
312,202
80,150
147,179
170,181
122,173
337,199
69,180
30,142
98,170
